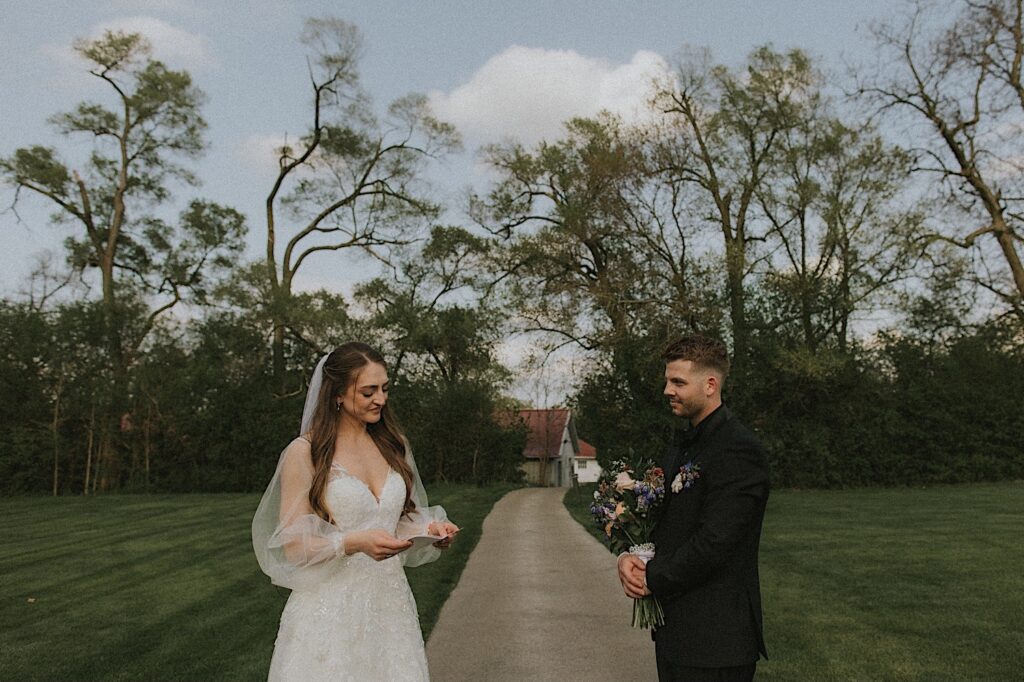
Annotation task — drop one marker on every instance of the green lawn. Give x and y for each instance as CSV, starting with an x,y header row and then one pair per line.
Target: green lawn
x,y
890,584
163,587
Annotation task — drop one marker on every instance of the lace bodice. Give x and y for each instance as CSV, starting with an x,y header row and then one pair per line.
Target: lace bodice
x,y
354,506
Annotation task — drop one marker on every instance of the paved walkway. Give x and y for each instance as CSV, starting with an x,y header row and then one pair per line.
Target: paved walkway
x,y
538,600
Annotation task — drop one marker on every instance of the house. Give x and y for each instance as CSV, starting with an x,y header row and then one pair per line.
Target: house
x,y
585,466
553,451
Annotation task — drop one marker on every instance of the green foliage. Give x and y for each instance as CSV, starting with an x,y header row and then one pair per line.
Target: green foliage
x,y
216,425
202,413
560,211
39,165
456,432
353,182
53,377
620,407
902,413
141,140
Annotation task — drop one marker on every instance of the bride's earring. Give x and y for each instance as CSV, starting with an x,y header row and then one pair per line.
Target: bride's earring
x,y
337,406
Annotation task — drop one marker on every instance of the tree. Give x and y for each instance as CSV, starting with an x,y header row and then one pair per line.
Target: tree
x,y
840,223
962,78
146,265
559,210
350,182
435,319
729,125
683,279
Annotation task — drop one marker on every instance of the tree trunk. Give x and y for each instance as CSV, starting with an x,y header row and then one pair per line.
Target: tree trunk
x,y
146,442
54,425
278,352
845,304
90,439
806,318
735,264
282,302
104,460
1005,240
108,459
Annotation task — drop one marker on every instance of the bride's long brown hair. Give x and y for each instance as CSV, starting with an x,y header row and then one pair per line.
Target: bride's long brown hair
x,y
340,370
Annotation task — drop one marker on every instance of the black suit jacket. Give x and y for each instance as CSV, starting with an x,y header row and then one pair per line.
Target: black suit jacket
x,y
704,571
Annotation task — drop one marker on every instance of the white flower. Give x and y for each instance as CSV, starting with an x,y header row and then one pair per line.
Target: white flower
x,y
677,482
624,481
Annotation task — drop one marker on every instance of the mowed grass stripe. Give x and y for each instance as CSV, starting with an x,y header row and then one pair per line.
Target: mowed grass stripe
x,y
891,584
910,584
75,528
143,564
162,587
147,545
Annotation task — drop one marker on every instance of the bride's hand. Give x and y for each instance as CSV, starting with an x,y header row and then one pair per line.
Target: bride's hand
x,y
378,544
446,530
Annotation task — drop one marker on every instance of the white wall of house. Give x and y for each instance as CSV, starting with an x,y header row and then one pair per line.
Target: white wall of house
x,y
562,474
587,469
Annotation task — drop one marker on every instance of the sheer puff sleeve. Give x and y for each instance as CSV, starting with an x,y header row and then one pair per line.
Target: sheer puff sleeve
x,y
417,522
293,545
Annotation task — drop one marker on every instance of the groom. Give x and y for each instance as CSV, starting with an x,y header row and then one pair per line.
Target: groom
x,y
704,571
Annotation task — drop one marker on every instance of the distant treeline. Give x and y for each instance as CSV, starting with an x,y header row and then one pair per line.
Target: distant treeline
x,y
203,414
857,247
907,411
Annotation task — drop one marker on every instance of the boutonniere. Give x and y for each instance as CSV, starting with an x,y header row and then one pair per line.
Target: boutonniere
x,y
687,476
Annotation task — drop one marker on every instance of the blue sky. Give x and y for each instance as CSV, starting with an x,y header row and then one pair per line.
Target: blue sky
x,y
494,68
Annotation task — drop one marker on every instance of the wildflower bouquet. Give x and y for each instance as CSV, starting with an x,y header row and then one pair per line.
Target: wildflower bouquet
x,y
625,508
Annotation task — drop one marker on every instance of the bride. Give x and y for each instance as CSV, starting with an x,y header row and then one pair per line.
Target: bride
x,y
333,527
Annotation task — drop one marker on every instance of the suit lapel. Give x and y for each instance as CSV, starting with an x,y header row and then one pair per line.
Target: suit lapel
x,y
695,451
669,461
679,454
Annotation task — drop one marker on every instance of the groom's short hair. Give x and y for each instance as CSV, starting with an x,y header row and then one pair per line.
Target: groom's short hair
x,y
703,351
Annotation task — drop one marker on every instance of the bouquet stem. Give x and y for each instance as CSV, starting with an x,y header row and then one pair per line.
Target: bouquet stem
x,y
647,612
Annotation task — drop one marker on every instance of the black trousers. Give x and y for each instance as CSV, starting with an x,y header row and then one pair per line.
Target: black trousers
x,y
667,672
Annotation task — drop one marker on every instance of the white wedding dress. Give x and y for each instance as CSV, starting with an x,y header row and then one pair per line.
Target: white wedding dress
x,y
358,620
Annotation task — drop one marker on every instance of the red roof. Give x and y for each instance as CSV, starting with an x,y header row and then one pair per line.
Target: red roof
x,y
587,451
546,428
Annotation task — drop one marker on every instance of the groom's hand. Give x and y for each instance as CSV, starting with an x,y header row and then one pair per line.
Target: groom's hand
x,y
631,574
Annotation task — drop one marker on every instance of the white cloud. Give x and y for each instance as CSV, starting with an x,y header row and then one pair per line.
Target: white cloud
x,y
528,93
263,151
183,7
175,47
171,45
